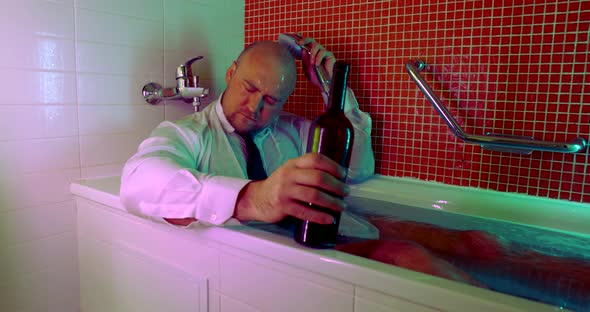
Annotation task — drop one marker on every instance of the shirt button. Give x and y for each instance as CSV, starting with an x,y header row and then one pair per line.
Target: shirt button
x,y
213,217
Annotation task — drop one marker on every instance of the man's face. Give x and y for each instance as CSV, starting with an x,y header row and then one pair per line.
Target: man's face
x,y
256,92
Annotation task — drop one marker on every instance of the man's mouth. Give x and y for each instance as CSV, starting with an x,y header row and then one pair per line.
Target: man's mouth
x,y
249,117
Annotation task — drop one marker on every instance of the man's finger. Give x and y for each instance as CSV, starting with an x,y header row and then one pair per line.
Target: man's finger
x,y
305,212
320,162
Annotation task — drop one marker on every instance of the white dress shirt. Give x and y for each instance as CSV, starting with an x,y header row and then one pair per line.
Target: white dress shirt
x,y
196,166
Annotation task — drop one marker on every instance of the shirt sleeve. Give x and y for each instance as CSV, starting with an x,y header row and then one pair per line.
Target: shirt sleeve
x,y
160,181
362,161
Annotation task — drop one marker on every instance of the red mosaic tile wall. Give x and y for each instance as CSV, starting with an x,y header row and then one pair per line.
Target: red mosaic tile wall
x,y
509,67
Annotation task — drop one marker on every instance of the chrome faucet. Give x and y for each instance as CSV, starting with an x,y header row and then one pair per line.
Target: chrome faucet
x,y
187,87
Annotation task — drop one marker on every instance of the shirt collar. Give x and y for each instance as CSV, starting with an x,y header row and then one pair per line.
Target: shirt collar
x,y
224,122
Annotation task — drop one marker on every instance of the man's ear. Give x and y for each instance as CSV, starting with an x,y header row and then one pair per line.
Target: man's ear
x,y
230,72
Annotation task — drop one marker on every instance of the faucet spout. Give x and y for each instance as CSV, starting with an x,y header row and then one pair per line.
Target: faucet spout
x,y
154,93
184,93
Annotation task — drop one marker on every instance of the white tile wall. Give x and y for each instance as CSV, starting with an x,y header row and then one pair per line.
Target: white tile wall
x,y
42,87
122,89
21,122
43,18
37,52
72,72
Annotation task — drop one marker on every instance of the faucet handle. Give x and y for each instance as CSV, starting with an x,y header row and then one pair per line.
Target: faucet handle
x,y
184,73
190,62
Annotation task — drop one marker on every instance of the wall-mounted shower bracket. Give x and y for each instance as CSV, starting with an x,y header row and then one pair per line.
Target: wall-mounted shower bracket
x,y
490,141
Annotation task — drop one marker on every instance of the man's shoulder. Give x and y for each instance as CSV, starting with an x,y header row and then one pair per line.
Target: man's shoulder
x,y
195,122
291,123
287,116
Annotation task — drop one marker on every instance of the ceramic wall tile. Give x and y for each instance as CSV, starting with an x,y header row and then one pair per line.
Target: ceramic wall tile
x,y
112,59
19,122
36,155
118,29
150,9
109,148
38,52
31,87
108,89
42,18
105,119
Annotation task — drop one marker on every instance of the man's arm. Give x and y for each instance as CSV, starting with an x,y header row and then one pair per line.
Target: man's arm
x,y
160,181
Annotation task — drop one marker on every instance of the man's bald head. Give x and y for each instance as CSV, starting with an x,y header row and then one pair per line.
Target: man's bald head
x,y
275,55
258,85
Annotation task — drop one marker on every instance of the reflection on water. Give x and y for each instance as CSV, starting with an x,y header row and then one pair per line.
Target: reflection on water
x,y
530,262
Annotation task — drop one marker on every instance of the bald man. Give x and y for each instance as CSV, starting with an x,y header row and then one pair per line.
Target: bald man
x,y
195,168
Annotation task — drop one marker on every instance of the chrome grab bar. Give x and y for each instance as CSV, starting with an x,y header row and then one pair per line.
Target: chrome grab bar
x,y
490,141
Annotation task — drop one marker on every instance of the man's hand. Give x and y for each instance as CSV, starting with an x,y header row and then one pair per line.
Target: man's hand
x,y
311,178
318,56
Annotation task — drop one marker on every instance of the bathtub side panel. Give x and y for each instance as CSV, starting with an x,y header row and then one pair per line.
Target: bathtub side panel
x,y
131,264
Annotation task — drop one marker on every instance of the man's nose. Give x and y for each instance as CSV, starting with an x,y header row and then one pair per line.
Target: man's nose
x,y
255,103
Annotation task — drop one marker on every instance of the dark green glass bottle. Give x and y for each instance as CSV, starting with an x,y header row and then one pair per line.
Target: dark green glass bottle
x,y
331,134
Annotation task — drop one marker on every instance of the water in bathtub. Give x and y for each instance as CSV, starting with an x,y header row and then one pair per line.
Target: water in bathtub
x,y
535,263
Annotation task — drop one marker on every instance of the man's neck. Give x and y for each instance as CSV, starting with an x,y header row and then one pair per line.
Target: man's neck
x,y
222,118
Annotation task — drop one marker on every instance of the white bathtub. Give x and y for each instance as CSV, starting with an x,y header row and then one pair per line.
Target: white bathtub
x,y
131,264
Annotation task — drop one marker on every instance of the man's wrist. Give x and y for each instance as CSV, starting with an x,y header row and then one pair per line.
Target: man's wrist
x,y
244,209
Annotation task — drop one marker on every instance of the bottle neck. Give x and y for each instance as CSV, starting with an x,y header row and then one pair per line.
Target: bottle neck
x,y
337,96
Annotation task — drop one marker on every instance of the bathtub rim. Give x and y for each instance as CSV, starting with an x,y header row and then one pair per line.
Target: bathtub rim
x,y
570,217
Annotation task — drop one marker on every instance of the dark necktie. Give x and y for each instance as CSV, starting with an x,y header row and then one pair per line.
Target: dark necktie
x,y
254,166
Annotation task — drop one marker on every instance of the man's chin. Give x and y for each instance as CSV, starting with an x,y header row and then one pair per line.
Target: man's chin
x,y
244,127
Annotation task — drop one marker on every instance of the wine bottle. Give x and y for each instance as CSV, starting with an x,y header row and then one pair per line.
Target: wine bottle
x,y
330,134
